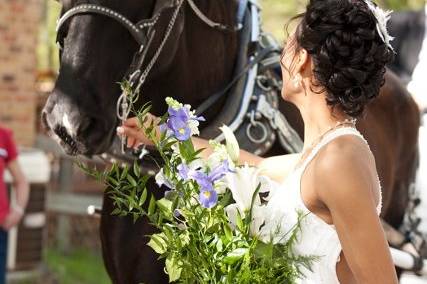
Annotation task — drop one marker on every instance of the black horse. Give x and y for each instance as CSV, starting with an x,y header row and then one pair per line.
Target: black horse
x,y
408,28
198,60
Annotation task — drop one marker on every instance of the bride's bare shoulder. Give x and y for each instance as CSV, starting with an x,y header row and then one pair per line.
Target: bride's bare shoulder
x,y
278,167
343,169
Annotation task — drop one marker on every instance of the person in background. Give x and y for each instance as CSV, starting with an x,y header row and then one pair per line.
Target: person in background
x,y
10,216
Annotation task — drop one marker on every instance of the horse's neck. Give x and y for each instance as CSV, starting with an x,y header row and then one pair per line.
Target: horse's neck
x,y
204,60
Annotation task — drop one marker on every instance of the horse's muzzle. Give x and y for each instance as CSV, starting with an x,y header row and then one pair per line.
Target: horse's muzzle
x,y
77,133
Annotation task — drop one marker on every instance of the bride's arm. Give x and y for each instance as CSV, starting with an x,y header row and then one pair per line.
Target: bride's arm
x,y
345,184
136,136
274,167
244,156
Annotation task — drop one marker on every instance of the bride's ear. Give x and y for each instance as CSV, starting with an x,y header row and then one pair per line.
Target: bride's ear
x,y
303,62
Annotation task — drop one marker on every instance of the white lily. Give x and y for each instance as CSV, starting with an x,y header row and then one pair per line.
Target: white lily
x,y
258,217
243,183
231,144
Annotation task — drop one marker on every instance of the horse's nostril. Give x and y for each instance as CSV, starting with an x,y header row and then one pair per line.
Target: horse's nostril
x,y
62,133
85,126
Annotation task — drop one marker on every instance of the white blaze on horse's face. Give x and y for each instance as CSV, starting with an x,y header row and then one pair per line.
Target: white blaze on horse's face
x,y
67,124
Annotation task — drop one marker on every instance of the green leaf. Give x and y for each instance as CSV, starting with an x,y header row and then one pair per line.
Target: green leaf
x,y
165,205
112,181
136,169
115,169
228,232
116,211
235,255
143,197
131,180
124,172
239,221
226,199
185,239
264,250
151,206
158,243
173,269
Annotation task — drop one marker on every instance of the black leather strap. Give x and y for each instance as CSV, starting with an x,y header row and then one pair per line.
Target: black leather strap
x,y
134,30
215,97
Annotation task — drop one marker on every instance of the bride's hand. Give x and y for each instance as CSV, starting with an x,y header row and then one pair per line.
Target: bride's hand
x,y
134,132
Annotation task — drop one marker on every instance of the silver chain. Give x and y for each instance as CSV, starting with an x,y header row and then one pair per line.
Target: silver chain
x,y
316,142
159,50
124,106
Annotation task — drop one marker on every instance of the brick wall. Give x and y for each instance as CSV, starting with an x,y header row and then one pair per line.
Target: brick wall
x,y
18,38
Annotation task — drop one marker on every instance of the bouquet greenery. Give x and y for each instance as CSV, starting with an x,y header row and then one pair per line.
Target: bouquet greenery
x,y
211,218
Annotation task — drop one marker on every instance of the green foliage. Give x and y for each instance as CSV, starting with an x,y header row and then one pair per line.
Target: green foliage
x,y
79,266
47,51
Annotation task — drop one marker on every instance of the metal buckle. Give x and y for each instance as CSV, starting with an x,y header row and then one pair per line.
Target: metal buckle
x,y
253,125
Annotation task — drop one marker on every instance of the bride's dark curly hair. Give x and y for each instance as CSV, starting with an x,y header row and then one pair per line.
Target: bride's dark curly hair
x,y
349,56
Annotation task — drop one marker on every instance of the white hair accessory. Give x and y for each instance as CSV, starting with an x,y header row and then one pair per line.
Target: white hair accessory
x,y
382,19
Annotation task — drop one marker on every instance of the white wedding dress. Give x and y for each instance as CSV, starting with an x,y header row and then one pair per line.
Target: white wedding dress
x,y
317,237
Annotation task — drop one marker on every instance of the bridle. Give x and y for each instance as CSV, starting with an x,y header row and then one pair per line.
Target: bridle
x,y
143,33
144,30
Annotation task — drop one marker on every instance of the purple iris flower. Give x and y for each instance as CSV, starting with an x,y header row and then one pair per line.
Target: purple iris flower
x,y
203,180
183,171
206,181
199,118
208,198
178,122
180,128
220,171
163,128
176,213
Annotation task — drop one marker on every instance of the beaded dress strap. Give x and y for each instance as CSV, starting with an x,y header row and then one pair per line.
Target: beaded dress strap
x,y
328,138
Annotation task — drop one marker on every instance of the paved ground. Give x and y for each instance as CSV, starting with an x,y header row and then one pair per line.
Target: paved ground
x,y
422,187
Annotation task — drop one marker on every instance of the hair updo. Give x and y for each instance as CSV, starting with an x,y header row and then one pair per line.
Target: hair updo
x,y
349,56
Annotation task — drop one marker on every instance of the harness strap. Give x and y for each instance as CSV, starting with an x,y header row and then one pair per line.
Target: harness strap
x,y
241,12
134,30
215,97
219,26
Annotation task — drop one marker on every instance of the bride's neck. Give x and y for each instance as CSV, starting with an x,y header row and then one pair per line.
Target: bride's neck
x,y
318,118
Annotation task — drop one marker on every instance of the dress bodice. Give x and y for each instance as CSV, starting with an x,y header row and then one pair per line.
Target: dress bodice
x,y
316,237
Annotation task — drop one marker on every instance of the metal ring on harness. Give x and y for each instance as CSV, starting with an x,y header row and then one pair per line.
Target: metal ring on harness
x,y
256,124
262,82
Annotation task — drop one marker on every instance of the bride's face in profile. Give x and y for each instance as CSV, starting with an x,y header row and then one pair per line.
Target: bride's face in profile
x,y
292,80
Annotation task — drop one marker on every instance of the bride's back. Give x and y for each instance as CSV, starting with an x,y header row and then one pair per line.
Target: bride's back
x,y
319,236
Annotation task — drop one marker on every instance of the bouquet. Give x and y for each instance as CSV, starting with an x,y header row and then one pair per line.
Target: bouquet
x,y
210,220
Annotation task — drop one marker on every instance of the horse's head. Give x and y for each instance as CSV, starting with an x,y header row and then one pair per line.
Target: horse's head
x,y
97,51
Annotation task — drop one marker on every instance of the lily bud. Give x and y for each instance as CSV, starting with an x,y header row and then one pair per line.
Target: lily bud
x,y
231,143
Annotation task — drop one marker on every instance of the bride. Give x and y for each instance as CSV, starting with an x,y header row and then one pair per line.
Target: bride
x,y
333,66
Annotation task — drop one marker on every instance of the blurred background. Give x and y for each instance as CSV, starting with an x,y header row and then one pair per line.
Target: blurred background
x,y
58,242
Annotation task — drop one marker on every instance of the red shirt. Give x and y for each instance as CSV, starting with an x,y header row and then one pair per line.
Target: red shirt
x,y
8,153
